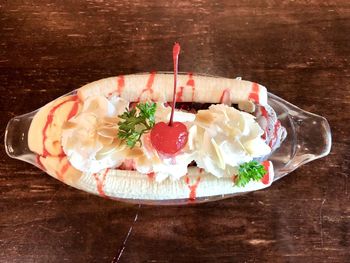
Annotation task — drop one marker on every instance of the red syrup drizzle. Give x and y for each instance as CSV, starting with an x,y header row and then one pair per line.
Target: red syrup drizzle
x,y
120,87
50,117
193,188
225,97
266,116
101,182
60,174
276,127
74,110
254,94
128,164
191,83
38,161
60,158
149,85
179,94
151,175
266,178
169,139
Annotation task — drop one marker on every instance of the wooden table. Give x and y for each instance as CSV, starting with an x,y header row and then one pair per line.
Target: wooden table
x,y
299,49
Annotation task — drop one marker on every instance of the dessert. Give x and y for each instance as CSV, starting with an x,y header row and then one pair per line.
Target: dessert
x,y
146,136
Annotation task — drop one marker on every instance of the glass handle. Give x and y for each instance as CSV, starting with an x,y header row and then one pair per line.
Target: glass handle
x,y
313,137
16,138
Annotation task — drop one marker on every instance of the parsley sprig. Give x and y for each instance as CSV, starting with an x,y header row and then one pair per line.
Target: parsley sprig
x,y
250,171
136,122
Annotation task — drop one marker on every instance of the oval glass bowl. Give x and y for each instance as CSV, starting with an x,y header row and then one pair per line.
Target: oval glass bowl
x,y
308,138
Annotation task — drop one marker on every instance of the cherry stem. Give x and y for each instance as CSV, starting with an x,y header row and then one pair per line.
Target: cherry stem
x,y
176,52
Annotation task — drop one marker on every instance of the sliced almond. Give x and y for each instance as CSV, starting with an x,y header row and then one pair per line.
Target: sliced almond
x,y
69,125
70,143
93,106
111,120
135,152
142,160
205,117
89,143
105,140
107,150
110,132
191,135
222,164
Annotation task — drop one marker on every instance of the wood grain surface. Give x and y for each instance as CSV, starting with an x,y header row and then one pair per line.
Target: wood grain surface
x,y
298,49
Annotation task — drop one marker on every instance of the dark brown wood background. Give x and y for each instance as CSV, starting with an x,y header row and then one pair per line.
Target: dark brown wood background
x,y
299,49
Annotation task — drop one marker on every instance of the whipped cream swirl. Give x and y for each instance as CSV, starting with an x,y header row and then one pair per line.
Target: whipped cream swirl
x,y
223,138
90,139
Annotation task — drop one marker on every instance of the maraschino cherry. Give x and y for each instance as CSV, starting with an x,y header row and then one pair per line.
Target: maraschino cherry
x,y
169,139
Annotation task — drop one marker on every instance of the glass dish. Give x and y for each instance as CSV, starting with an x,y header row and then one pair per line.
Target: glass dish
x,y
308,138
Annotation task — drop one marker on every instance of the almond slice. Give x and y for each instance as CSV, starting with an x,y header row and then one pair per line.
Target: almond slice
x,y
105,140
110,132
111,120
109,149
222,164
69,125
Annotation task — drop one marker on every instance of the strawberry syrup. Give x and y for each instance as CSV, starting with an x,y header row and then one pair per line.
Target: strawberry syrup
x,y
193,187
151,175
254,94
101,182
266,116
191,83
149,85
38,161
60,174
266,178
276,128
121,85
225,97
179,94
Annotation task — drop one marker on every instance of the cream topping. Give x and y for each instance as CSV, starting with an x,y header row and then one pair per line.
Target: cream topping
x,y
90,139
225,138
220,139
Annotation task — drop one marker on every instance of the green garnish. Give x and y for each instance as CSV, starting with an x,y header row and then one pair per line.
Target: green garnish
x,y
136,122
250,171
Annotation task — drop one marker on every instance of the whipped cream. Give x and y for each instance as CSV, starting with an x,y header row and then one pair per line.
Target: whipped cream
x,y
223,138
90,139
220,139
